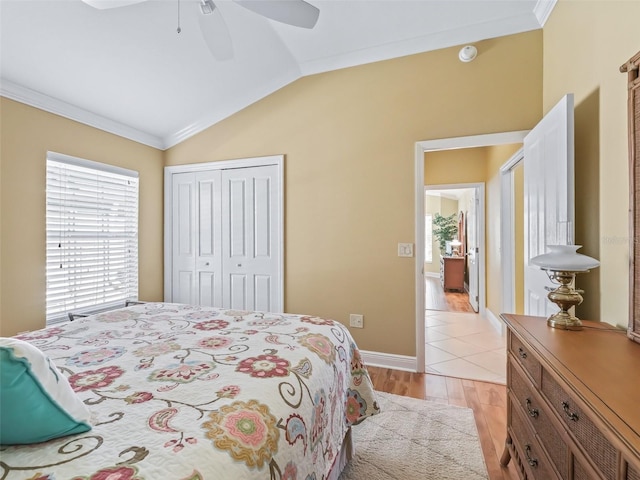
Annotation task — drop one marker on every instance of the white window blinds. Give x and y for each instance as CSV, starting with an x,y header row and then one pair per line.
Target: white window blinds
x,y
92,236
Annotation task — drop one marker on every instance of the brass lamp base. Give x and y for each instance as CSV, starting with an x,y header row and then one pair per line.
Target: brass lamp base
x,y
564,321
566,297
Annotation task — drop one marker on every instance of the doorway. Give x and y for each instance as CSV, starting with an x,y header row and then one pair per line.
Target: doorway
x,y
451,258
420,181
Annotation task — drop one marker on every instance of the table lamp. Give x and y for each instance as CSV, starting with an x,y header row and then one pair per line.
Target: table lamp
x,y
455,245
562,263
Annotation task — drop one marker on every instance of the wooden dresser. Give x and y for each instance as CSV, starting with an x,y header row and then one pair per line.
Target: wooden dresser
x,y
452,273
574,401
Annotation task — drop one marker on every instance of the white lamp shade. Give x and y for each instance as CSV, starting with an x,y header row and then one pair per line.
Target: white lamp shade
x,y
456,243
565,258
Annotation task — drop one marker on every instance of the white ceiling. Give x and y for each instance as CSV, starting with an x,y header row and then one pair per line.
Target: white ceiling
x,y
128,71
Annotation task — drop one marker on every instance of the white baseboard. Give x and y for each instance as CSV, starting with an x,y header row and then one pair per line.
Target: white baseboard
x,y
432,274
388,360
496,323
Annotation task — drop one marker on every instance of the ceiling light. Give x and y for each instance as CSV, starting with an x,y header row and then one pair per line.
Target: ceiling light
x,y
207,7
467,53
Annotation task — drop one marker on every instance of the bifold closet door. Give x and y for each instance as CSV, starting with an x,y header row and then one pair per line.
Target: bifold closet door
x,y
251,239
226,238
197,261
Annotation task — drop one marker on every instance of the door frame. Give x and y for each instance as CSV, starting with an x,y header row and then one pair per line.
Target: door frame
x,y
507,230
421,148
277,160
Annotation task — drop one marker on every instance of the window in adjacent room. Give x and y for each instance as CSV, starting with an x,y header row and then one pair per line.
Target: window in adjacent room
x,y
92,236
428,238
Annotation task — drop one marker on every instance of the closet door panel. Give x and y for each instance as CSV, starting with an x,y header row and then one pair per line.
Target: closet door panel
x,y
183,241
262,293
238,292
249,209
208,239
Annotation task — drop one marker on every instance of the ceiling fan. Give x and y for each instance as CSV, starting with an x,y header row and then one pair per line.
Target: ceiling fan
x,y
298,13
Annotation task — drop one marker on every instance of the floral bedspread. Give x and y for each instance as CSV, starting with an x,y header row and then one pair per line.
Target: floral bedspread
x,y
187,392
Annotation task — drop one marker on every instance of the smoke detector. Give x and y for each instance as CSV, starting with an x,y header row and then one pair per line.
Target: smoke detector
x,y
467,53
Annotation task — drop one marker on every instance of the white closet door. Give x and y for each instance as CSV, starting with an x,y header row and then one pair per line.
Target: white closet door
x,y
197,276
251,239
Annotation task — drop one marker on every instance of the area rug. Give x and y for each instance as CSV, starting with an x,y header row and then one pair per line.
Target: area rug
x,y
416,439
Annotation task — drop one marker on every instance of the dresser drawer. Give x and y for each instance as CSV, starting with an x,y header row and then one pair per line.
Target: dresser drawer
x,y
632,473
531,454
580,472
594,443
537,416
525,358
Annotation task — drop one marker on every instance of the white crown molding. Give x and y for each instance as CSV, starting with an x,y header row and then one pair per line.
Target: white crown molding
x,y
49,104
433,41
232,106
388,360
543,9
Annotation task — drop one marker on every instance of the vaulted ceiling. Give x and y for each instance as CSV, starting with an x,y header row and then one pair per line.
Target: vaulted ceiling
x,y
128,71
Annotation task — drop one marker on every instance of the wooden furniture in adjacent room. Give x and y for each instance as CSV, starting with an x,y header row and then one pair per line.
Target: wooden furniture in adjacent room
x,y
452,273
573,400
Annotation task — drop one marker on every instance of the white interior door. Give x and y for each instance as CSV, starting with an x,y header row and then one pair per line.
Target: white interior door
x,y
251,239
196,242
549,198
473,250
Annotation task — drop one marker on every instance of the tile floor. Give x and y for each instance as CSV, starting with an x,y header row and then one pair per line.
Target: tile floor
x,y
465,345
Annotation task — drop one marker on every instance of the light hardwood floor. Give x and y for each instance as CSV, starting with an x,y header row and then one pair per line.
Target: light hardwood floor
x,y
437,299
487,400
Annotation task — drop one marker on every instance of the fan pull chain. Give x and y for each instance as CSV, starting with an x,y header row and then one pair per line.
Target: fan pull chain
x,y
179,29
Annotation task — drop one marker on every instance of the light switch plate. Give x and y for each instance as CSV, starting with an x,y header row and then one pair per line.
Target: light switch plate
x,y
405,249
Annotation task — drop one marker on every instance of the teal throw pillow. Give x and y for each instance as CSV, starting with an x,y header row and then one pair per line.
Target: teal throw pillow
x,y
36,401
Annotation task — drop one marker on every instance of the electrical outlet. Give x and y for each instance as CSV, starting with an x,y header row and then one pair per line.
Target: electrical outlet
x,y
356,320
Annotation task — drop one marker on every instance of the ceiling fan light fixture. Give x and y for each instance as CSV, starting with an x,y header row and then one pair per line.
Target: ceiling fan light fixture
x,y
207,7
467,53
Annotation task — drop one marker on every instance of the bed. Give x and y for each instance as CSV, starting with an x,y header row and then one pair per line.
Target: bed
x,y
187,392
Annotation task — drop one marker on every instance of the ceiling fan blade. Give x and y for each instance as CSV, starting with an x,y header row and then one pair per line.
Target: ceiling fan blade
x,y
104,4
292,12
216,35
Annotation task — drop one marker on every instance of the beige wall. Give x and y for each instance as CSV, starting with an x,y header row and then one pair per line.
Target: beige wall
x,y
451,167
26,135
349,139
584,45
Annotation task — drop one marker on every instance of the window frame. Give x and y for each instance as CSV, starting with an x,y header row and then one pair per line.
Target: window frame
x,y
75,186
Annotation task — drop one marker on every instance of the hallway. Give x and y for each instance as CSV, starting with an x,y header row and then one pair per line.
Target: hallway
x,y
464,345
451,301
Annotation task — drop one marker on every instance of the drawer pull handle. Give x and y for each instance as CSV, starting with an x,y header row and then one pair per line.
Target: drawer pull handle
x,y
533,462
572,415
522,353
533,412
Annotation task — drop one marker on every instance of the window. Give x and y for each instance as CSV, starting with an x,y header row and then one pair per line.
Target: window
x,y
428,238
92,236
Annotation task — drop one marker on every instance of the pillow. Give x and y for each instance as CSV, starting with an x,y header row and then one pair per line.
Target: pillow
x,y
36,401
